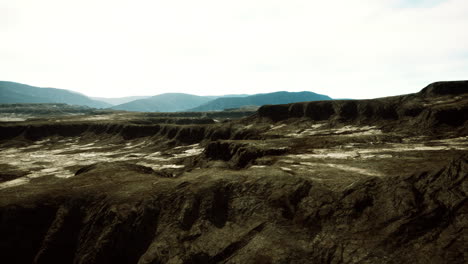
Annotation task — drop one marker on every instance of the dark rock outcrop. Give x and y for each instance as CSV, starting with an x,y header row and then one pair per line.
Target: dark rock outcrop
x,y
240,154
180,134
441,103
445,88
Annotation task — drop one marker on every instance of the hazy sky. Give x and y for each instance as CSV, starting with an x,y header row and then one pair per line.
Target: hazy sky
x,y
345,48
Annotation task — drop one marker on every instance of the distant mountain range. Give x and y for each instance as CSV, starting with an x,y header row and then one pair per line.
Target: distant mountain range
x,y
260,99
11,92
168,102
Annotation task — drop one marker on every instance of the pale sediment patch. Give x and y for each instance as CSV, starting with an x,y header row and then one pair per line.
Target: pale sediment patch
x,y
344,131
89,155
130,145
64,174
149,165
347,129
12,119
258,167
194,151
375,156
48,170
419,147
315,126
57,162
157,167
367,172
323,154
156,156
189,153
172,166
15,182
190,150
355,169
309,163
277,127
188,146
40,142
453,141
59,172
98,117
56,172
38,155
352,151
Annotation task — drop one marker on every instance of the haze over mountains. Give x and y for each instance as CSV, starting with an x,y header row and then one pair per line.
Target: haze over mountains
x,y
11,92
168,102
119,100
174,102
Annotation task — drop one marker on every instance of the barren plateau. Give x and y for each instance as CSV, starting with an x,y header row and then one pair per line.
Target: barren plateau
x,y
344,181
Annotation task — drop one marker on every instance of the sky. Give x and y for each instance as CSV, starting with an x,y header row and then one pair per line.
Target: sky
x,y
341,48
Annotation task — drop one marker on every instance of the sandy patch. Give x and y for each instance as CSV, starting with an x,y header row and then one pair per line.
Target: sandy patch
x,y
41,161
345,131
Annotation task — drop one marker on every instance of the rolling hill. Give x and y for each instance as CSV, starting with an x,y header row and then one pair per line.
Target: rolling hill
x,y
259,99
168,102
11,92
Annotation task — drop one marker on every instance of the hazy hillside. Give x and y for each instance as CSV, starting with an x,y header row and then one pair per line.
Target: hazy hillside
x,y
260,99
11,92
120,100
169,102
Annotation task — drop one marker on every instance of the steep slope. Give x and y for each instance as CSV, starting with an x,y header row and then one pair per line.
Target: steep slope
x,y
119,100
11,92
260,99
168,102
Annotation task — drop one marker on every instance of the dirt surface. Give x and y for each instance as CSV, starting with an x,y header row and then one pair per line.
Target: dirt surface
x,y
370,181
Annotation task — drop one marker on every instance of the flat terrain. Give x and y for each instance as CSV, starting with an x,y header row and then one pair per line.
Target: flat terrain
x,y
371,181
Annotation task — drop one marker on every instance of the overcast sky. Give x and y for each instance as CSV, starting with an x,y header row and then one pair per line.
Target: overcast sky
x,y
345,48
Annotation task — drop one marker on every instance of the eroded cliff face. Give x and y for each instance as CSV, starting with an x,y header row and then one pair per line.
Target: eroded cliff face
x,y
336,185
123,214
439,104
